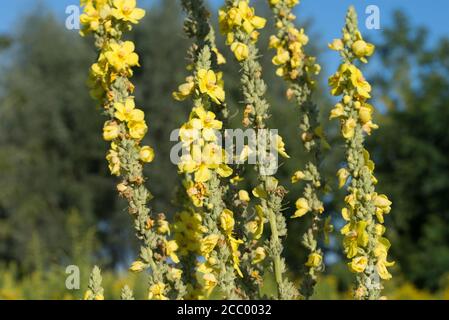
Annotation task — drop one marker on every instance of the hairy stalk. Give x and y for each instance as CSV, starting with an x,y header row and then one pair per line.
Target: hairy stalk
x,y
298,70
239,24
363,241
126,294
125,129
204,167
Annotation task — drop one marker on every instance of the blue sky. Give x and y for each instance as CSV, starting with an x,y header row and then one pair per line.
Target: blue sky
x,y
327,15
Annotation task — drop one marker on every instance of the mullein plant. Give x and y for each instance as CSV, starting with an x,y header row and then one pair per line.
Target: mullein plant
x,y
95,291
364,243
298,70
109,81
239,24
205,227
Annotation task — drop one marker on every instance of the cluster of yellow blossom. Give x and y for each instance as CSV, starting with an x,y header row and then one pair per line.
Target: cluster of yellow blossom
x,y
240,18
363,241
199,134
115,62
157,292
189,233
99,14
188,229
290,57
206,82
227,223
206,271
204,153
350,78
309,203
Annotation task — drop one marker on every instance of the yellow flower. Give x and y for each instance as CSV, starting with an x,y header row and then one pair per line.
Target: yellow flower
x,y
235,180
188,134
336,45
383,206
259,255
300,38
137,266
196,191
244,196
137,129
111,130
122,56
280,146
163,227
157,292
126,10
275,42
381,268
208,244
188,230
355,236
170,250
90,295
337,81
236,254
302,207
220,58
346,214
282,57
250,20
358,264
127,112
90,19
208,281
369,126
241,50
205,121
314,260
146,154
343,175
185,89
381,251
227,221
358,81
203,162
337,111
298,176
174,274
365,113
114,162
240,16
259,221
211,84
363,49
348,128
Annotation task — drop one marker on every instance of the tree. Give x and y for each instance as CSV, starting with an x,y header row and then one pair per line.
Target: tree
x,y
411,149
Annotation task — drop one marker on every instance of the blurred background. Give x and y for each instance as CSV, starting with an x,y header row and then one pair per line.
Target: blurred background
x,y
58,205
